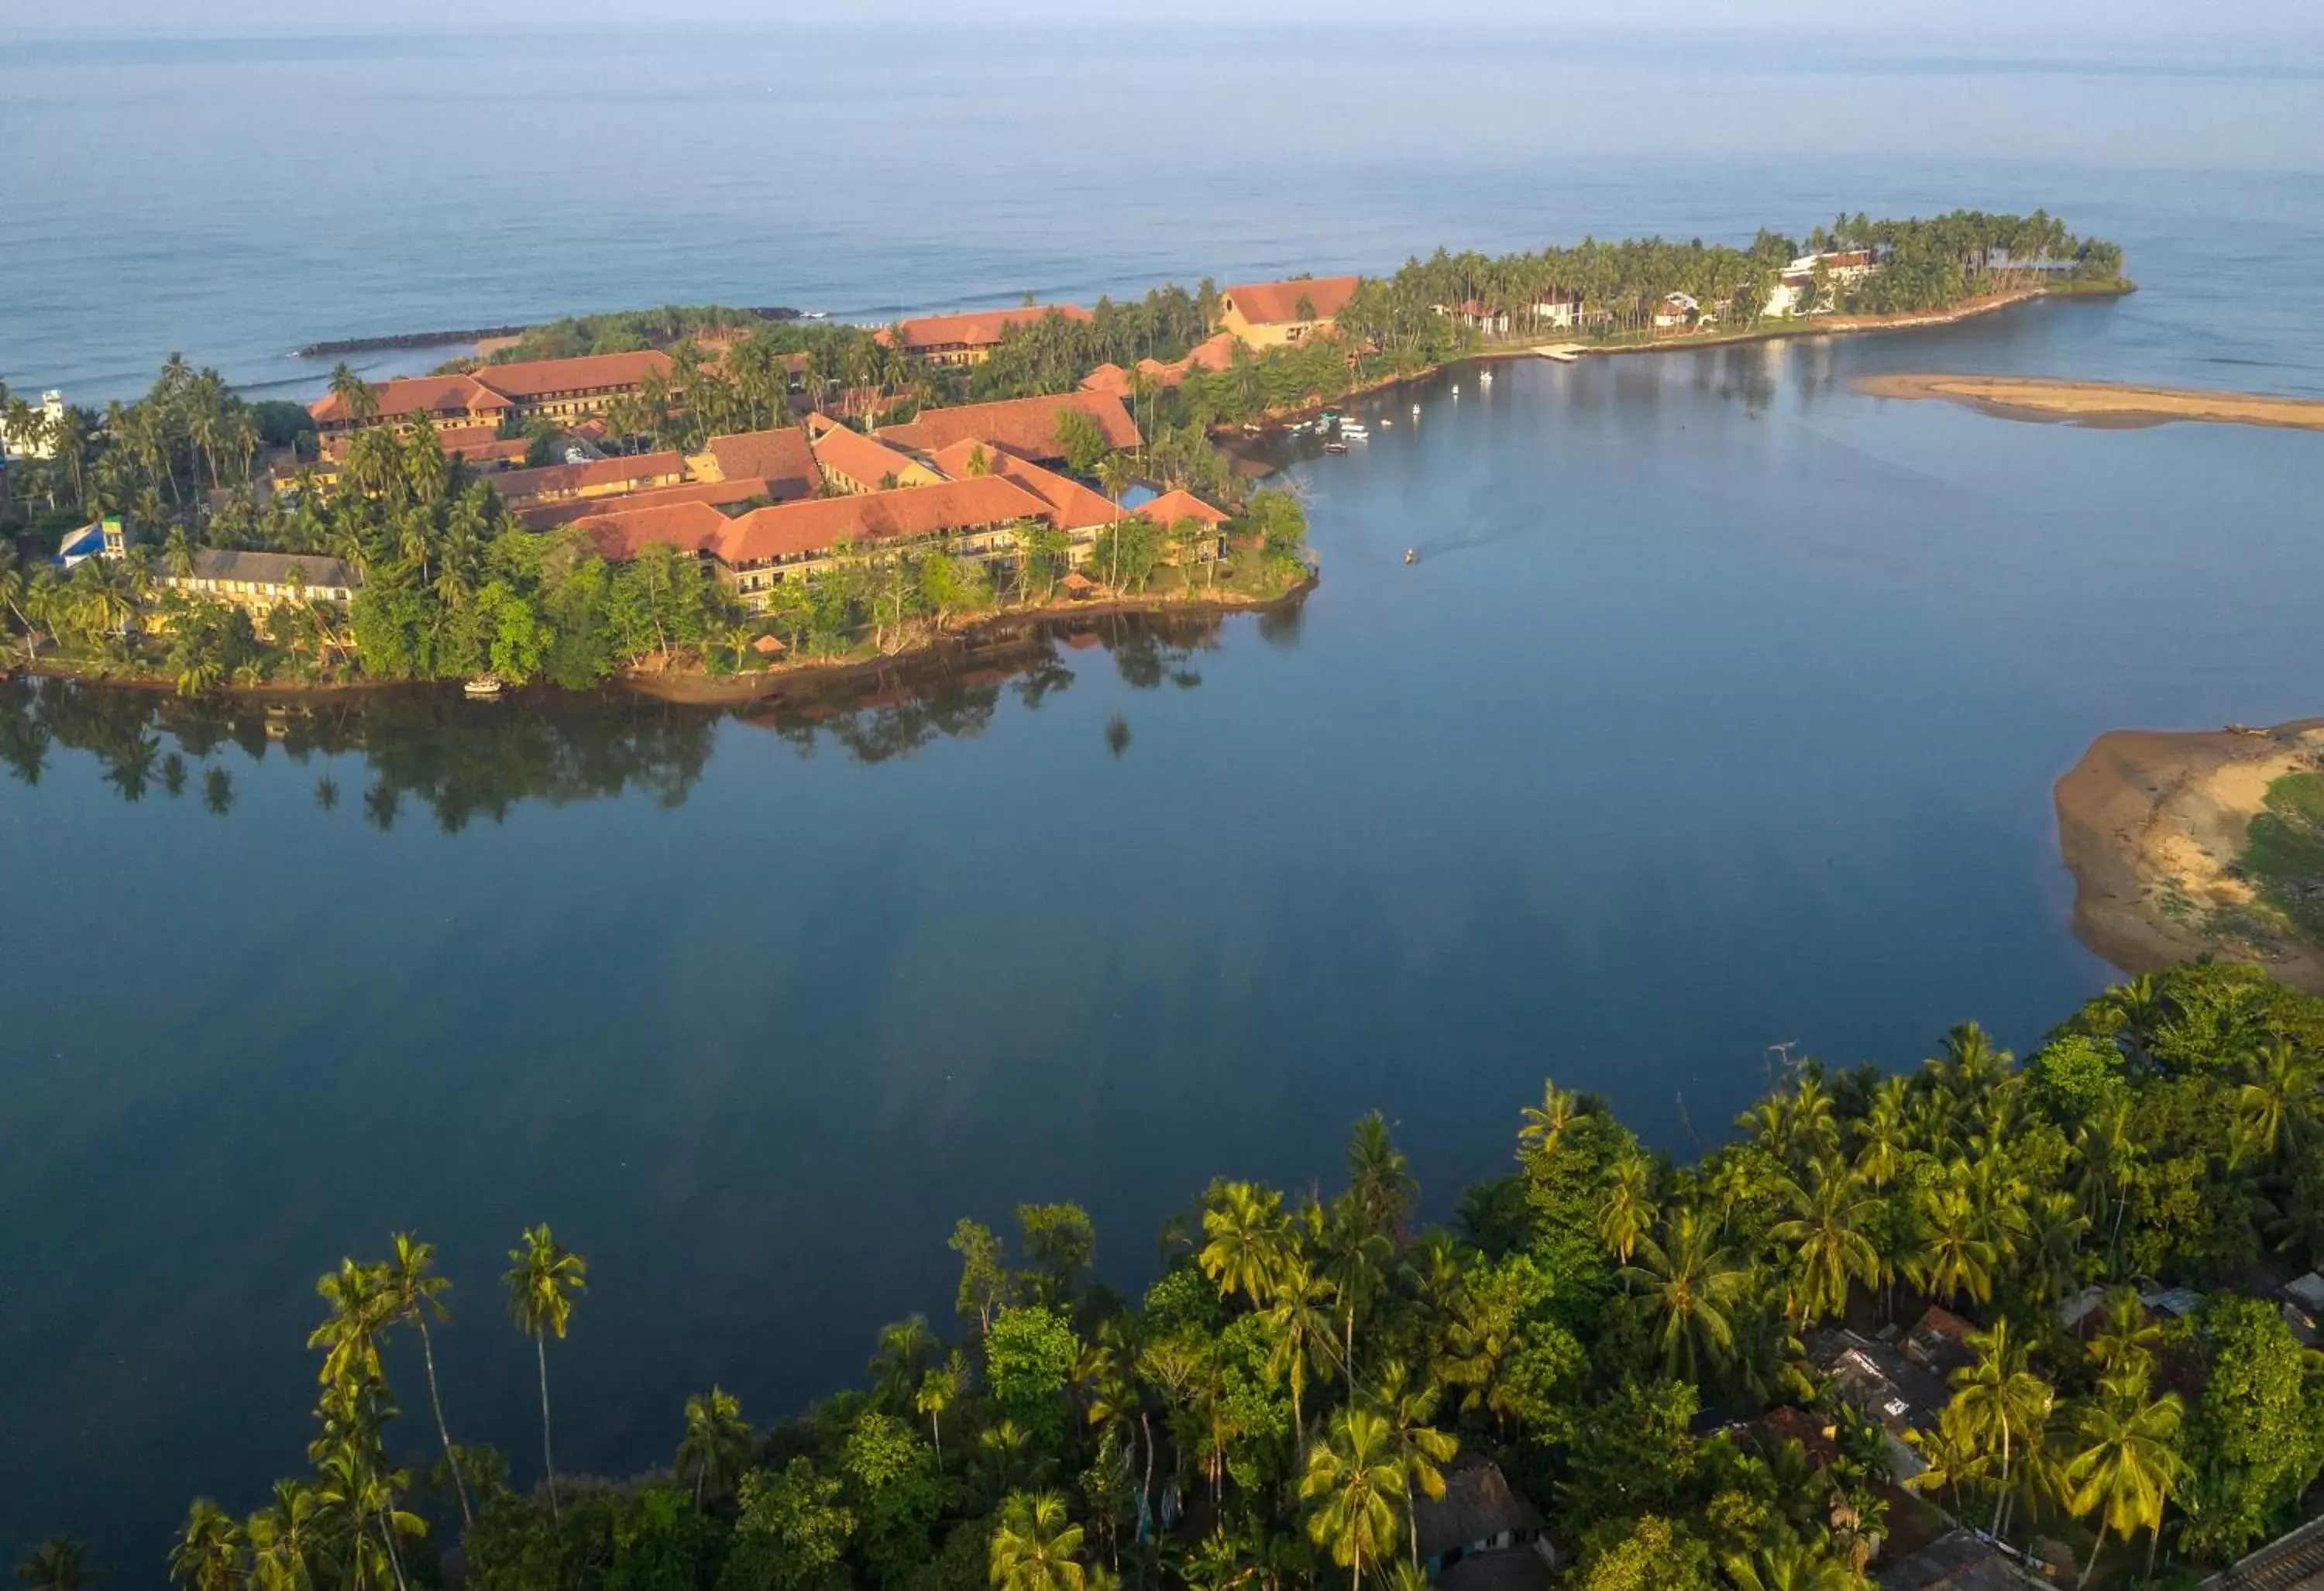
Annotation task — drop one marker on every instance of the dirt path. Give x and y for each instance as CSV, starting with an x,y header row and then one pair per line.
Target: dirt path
x,y
2099,403
2151,826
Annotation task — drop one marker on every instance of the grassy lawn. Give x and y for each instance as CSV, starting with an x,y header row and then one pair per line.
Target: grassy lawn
x,y
2284,856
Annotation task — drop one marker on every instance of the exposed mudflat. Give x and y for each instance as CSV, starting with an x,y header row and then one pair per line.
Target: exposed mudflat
x,y
2152,825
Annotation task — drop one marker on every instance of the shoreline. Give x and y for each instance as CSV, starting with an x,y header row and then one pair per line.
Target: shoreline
x,y
2151,824
1779,331
2098,405
697,686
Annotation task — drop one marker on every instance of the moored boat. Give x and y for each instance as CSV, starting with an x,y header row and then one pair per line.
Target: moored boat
x,y
485,687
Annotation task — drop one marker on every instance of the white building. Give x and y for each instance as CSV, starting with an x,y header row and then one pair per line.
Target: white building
x,y
51,409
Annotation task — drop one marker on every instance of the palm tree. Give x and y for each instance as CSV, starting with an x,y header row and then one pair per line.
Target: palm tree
x,y
2000,1400
1793,1564
2128,1466
1033,1545
211,1553
413,1292
1691,1283
542,1278
287,1538
1952,1258
360,1310
1628,1214
2125,1343
1300,1333
939,1390
1379,1176
1546,1123
717,1445
1248,1239
904,1351
362,399
1826,1238
55,1565
2280,1099
1355,1479
1356,1255
1880,1134
1415,1445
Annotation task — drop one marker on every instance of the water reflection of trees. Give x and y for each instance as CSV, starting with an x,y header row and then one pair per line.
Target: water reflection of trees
x,y
428,750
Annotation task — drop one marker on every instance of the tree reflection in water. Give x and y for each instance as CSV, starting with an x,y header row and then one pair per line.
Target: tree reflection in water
x,y
461,760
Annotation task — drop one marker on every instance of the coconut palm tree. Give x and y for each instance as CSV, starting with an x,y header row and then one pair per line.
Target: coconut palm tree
x,y
361,398
413,1292
939,1389
904,1351
2125,1343
1355,1478
1791,1564
1415,1445
717,1445
1300,1332
2279,1102
1248,1239
287,1539
57,1564
361,1309
1627,1215
211,1552
1880,1134
1690,1283
1379,1176
1546,1123
1034,1543
2126,1466
2001,1402
1356,1255
1952,1257
1825,1235
543,1278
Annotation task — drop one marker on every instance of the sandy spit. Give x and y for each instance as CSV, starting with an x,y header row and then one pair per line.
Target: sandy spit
x,y
2098,403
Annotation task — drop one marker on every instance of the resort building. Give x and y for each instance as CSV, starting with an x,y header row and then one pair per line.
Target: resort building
x,y
38,442
720,494
1557,308
961,340
1026,426
852,462
1477,313
600,477
99,539
1073,508
1213,354
558,389
260,581
977,518
781,460
1270,314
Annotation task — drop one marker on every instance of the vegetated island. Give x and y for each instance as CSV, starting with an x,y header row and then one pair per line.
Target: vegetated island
x,y
712,501
1980,1323
2185,845
2110,404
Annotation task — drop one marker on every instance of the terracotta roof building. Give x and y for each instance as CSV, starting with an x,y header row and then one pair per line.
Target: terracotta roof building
x,y
1269,314
600,477
1173,506
970,338
1072,505
689,527
851,461
1026,426
781,458
548,516
1110,379
559,390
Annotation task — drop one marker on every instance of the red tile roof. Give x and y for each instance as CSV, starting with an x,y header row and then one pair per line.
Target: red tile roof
x,y
978,328
792,529
1027,427
491,452
1111,379
548,516
1212,353
1171,507
537,378
644,469
412,395
850,453
690,526
781,458
1276,303
1073,506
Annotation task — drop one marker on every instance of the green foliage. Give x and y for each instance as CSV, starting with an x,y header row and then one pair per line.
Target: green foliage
x,y
2075,1076
2256,1437
2284,853
1029,1356
790,1534
1649,1553
1060,1244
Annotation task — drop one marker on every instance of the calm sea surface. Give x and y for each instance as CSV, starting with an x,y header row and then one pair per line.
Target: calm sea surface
x,y
1721,711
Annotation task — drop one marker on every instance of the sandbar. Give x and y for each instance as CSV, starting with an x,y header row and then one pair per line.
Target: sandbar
x,y
2098,403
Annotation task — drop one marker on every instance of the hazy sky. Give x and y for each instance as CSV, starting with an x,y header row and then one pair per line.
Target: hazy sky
x,y
1973,26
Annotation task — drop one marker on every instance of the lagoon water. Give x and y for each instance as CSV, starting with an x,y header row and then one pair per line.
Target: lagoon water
x,y
1719,712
